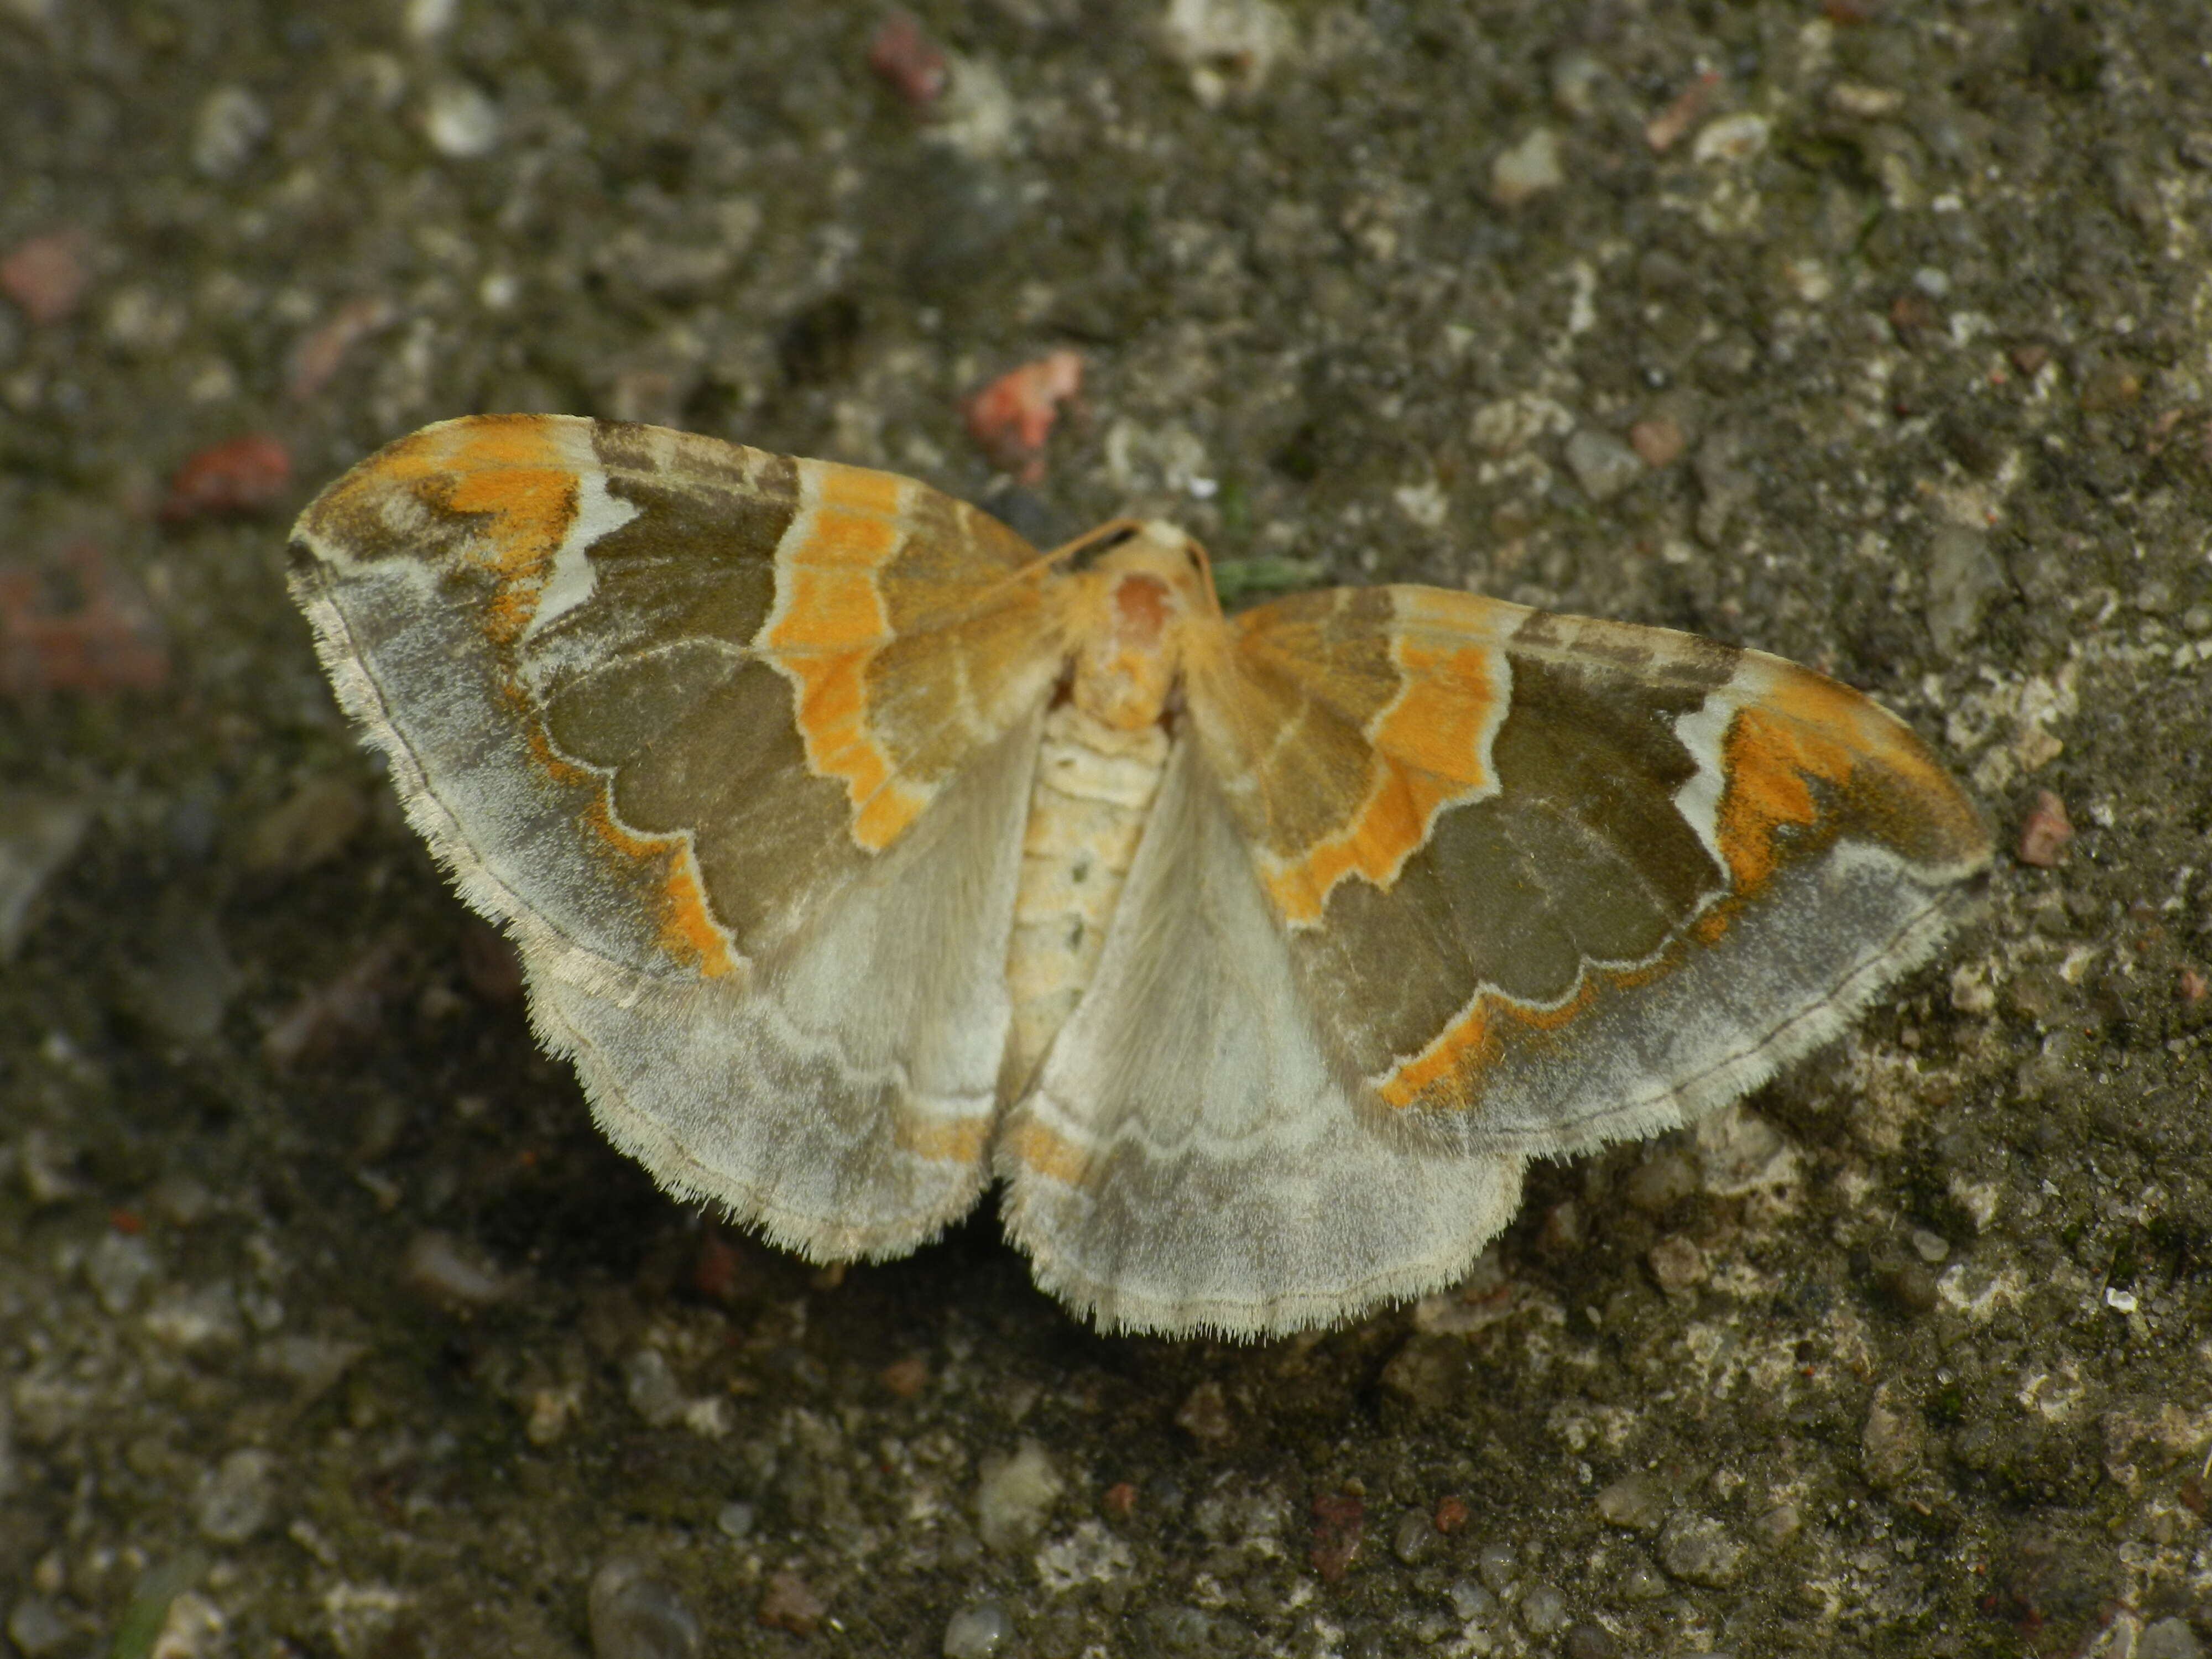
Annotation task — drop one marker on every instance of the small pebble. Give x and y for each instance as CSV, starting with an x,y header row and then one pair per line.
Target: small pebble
x,y
38,836
460,121
1414,1538
1589,1642
1662,1178
205,1318
1642,1582
1657,441
2169,1639
233,1501
1963,577
235,478
1205,1414
231,125
1014,1494
1496,1564
635,1616
1576,77
1698,1549
192,1627
179,1198
1678,1265
1543,1609
2044,831
1471,1601
789,1603
47,275
38,1628
1010,417
1228,46
117,1268
1731,138
979,1632
1635,1501
1526,169
440,1265
906,1377
908,61
1776,1526
736,1519
650,1383
1602,463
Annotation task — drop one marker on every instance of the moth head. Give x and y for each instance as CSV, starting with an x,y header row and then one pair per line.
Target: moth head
x,y
1148,594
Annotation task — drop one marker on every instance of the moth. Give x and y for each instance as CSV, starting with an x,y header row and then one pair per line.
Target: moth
x,y
859,855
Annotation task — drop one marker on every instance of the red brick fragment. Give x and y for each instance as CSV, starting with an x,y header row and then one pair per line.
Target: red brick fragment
x,y
1452,1514
1658,440
1012,417
1912,317
1339,1520
1665,130
109,641
906,1377
2044,831
231,479
48,275
1121,1500
908,61
719,1268
2191,985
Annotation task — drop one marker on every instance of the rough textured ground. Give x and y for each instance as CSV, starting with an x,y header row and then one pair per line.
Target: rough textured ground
x,y
1879,335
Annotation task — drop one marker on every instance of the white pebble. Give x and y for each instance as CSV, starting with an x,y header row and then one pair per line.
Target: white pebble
x,y
1528,169
634,1616
1014,1494
461,121
651,1384
1543,1610
233,1501
979,1632
231,125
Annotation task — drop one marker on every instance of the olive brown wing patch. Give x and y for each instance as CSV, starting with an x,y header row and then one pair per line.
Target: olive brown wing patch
x,y
738,748
1612,877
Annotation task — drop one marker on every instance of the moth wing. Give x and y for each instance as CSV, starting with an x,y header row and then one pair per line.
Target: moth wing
x,y
1190,1156
1513,885
738,750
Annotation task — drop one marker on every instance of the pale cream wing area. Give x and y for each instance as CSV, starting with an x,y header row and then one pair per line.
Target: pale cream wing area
x,y
842,1094
1189,1160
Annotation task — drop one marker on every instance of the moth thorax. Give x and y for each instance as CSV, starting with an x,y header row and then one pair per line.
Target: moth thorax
x,y
1138,601
1095,784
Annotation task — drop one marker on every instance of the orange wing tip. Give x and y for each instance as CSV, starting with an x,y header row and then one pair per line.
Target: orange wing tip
x,y
1804,742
